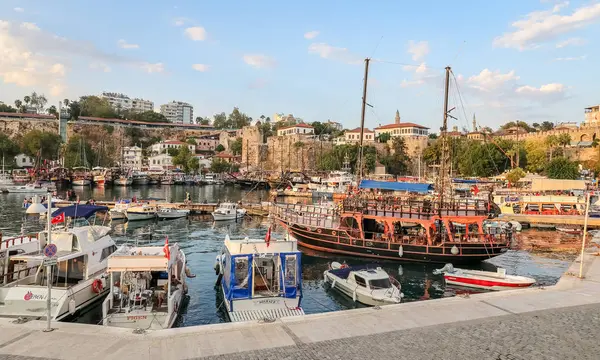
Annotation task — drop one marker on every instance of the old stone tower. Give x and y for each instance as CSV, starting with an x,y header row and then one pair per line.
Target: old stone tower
x,y
397,117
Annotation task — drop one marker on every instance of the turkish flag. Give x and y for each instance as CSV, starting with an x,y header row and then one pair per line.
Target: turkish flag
x,y
475,189
268,237
58,219
166,249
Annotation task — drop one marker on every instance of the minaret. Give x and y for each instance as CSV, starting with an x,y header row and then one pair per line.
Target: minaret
x,y
397,117
474,123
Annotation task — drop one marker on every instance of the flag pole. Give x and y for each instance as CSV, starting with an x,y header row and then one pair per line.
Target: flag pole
x,y
585,223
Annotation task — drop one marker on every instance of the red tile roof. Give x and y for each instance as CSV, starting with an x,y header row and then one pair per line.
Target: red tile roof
x,y
225,156
174,142
25,116
300,125
135,122
357,130
401,125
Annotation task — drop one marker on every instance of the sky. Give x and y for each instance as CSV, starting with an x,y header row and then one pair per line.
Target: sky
x,y
526,60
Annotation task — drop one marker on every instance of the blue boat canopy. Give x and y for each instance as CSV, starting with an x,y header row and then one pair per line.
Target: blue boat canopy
x,y
396,186
79,211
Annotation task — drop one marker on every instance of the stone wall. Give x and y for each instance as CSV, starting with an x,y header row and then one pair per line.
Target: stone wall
x,y
582,133
16,128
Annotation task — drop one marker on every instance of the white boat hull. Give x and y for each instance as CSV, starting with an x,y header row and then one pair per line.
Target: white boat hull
x,y
83,182
171,215
136,216
117,215
123,181
366,297
26,190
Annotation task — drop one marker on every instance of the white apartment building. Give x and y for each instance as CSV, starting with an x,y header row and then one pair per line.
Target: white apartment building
x,y
132,157
178,112
302,129
23,160
163,146
163,160
353,136
123,102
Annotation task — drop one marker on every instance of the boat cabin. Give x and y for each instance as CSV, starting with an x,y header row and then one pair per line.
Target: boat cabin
x,y
261,278
370,278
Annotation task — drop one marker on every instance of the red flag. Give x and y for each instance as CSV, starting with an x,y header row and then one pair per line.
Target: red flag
x,y
268,237
475,189
166,249
58,219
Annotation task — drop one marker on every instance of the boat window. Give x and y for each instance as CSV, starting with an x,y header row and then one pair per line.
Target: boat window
x,y
360,281
70,272
241,273
380,283
290,270
107,251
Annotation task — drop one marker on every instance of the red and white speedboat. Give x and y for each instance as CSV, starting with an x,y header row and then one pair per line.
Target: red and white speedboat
x,y
570,231
487,280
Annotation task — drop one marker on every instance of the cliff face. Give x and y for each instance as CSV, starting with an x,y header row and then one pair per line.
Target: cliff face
x,y
18,128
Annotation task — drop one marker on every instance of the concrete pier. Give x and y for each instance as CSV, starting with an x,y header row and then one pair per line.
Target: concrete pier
x,y
558,322
593,222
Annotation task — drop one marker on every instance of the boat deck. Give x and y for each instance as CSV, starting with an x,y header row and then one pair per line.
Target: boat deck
x,y
269,314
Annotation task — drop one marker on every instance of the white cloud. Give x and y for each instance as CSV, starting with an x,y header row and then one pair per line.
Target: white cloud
x,y
196,33
545,93
100,66
153,68
311,34
19,9
573,58
571,42
409,83
57,89
488,80
29,26
180,21
200,67
542,26
334,53
58,69
418,49
125,45
259,61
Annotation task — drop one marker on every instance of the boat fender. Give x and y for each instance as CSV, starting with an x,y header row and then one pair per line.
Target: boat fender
x,y
354,295
333,283
72,306
97,286
454,250
400,251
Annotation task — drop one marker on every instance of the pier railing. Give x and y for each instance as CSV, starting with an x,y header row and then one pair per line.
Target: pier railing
x,y
308,215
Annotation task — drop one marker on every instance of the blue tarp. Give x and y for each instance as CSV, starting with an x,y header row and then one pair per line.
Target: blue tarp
x,y
79,211
465,181
396,186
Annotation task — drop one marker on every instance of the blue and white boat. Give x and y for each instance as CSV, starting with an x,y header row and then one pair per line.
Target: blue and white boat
x,y
260,279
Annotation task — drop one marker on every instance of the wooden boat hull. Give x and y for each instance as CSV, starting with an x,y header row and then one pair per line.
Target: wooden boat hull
x,y
324,240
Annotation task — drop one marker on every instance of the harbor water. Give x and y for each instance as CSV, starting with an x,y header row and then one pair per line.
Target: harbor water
x,y
202,239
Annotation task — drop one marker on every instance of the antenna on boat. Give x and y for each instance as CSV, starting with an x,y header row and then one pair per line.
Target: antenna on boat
x,y
362,122
445,150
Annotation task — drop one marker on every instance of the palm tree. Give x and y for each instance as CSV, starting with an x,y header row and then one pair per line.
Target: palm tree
x,y
551,141
18,104
66,102
564,139
52,111
27,99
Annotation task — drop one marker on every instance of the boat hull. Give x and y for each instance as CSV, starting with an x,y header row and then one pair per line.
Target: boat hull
x,y
342,286
343,244
486,284
166,216
136,216
81,182
117,215
123,182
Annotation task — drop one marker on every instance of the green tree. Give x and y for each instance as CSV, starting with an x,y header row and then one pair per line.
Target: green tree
x,y
27,100
551,142
219,166
39,142
236,146
562,168
536,155
266,130
147,116
79,152
384,137
19,105
175,151
546,126
73,109
564,139
52,111
183,158
515,175
193,164
220,148
238,119
96,107
433,136
191,141
398,162
8,149
39,101
7,108
202,120
521,124
220,121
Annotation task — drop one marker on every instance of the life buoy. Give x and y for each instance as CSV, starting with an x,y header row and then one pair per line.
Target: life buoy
x,y
319,231
334,233
97,286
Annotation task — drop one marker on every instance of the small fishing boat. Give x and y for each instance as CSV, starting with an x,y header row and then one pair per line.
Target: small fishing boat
x,y
167,179
261,279
368,285
27,189
487,280
570,231
148,287
81,176
228,211
140,178
168,213
119,211
141,212
99,175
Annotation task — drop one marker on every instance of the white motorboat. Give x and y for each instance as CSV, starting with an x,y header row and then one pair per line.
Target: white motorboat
x,y
369,285
77,278
141,212
144,297
228,211
119,211
123,180
487,280
261,279
168,213
27,189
